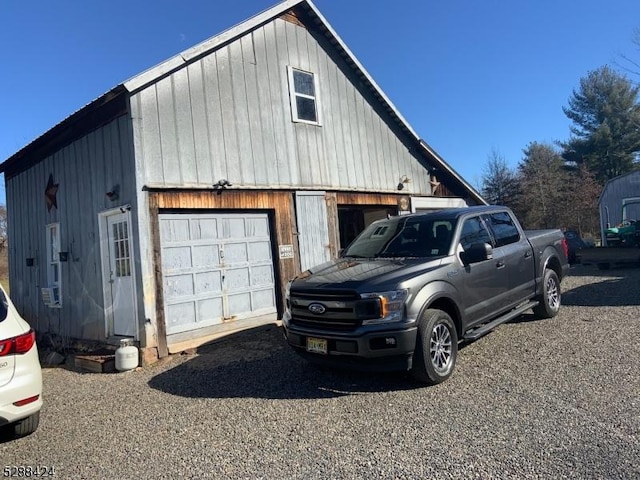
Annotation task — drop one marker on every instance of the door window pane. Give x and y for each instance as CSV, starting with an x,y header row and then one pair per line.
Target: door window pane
x,y
474,231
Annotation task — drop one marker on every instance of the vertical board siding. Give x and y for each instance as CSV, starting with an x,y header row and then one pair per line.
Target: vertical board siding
x,y
200,124
84,171
184,128
231,154
213,106
228,115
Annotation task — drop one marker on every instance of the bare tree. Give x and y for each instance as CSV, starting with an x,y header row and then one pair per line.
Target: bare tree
x,y
628,64
499,182
581,202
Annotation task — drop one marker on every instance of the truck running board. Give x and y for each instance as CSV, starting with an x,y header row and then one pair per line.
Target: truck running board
x,y
475,333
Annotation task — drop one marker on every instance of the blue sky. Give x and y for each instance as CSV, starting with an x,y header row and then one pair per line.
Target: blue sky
x,y
470,76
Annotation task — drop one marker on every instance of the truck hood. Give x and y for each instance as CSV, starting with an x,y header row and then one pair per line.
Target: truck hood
x,y
362,274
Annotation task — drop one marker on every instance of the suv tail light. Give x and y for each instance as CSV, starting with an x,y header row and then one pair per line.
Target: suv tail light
x,y
18,345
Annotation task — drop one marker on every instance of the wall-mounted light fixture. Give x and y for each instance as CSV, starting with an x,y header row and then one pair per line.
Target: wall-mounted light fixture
x,y
29,261
403,180
114,193
221,184
63,256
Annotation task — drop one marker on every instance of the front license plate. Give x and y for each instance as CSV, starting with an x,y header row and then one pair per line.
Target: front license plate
x,y
317,345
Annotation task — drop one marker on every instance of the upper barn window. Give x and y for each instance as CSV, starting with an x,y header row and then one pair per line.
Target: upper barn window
x,y
303,90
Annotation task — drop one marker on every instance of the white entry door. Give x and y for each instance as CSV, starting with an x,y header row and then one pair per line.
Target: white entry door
x,y
119,283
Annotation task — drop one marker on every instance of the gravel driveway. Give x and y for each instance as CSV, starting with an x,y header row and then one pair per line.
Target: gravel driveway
x,y
555,398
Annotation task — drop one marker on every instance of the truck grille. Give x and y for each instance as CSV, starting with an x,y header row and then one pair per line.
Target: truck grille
x,y
338,310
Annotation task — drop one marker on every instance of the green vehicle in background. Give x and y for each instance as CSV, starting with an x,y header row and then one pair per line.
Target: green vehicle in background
x,y
627,233
622,242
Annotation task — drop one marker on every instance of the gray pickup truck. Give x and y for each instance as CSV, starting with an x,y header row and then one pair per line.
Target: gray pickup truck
x,y
408,289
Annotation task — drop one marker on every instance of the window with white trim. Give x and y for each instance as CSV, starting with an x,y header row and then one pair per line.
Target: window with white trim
x,y
303,91
51,294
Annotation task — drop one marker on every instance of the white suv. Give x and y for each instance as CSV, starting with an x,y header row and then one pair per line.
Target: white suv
x,y
20,372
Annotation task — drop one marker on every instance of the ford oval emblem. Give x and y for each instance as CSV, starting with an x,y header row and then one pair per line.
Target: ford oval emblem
x,y
317,308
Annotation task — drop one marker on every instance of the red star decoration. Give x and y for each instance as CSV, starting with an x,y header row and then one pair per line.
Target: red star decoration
x,y
50,193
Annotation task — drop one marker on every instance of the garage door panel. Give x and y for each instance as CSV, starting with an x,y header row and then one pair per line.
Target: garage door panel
x,y
180,314
261,275
233,228
217,268
210,311
206,256
262,299
178,286
239,303
208,282
259,251
235,253
257,227
174,230
237,279
176,258
204,229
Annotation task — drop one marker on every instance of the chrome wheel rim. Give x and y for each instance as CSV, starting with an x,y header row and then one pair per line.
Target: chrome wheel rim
x,y
553,294
441,348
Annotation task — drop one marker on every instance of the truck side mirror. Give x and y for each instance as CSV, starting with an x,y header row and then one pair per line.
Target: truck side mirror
x,y
477,252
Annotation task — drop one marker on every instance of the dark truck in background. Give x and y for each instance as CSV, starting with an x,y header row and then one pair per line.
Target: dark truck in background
x,y
408,289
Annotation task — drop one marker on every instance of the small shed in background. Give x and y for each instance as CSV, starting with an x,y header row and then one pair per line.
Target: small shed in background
x,y
610,204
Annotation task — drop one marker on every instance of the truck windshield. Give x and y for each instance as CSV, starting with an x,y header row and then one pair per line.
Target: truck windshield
x,y
412,237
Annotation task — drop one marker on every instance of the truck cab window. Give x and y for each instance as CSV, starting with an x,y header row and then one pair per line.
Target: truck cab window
x,y
504,230
474,231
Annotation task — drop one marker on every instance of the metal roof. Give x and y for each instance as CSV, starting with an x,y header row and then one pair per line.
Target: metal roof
x,y
196,52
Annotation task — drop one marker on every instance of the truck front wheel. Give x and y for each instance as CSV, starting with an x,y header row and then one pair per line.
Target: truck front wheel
x,y
436,348
550,298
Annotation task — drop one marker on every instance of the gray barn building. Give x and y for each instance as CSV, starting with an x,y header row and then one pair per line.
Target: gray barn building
x,y
178,204
616,190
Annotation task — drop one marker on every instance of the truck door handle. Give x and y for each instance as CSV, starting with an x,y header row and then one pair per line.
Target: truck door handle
x,y
500,264
528,255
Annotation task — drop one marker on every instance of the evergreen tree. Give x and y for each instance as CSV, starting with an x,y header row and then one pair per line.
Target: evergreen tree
x,y
605,136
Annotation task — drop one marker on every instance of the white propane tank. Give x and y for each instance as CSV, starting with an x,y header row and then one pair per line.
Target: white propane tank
x,y
126,355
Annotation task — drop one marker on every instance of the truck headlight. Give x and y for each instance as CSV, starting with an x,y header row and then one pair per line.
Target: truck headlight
x,y
388,306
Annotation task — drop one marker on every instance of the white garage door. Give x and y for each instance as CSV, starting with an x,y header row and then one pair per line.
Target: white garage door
x,y
217,268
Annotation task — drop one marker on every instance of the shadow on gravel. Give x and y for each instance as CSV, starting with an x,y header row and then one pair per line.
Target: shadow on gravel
x,y
258,363
611,288
6,435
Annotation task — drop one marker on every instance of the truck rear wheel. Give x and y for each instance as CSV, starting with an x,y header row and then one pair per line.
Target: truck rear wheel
x,y
549,305
436,348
